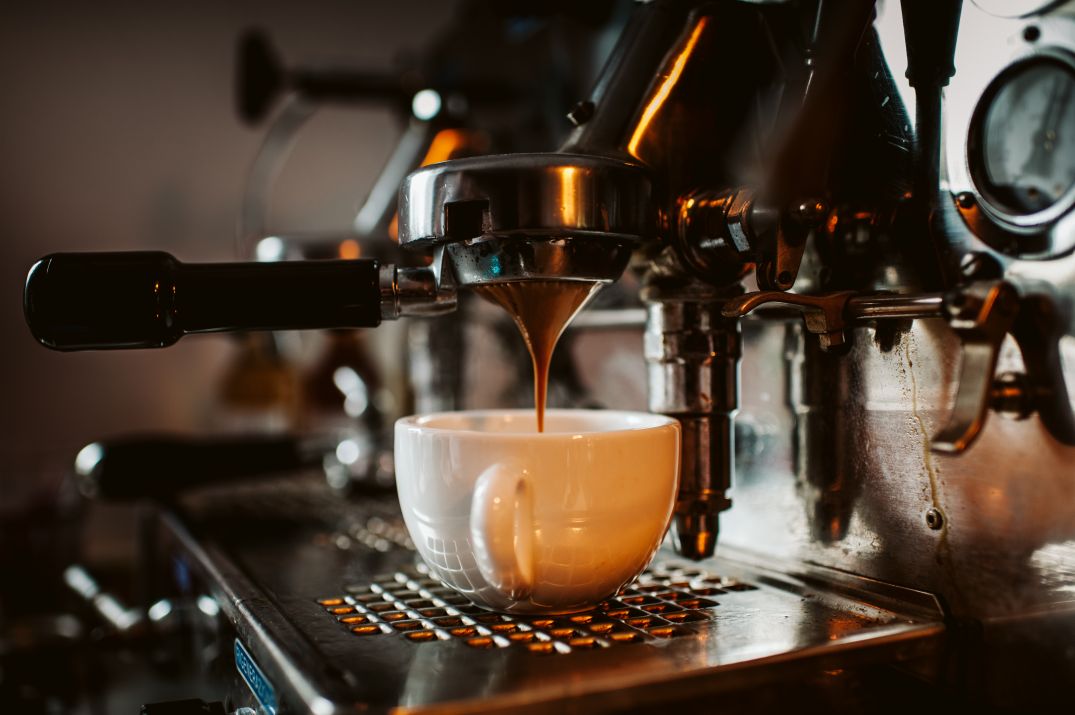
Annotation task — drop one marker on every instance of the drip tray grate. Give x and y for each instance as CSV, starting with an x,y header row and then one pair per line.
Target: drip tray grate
x,y
411,605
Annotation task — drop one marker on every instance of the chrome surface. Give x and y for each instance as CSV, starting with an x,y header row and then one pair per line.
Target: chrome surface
x,y
413,292
692,354
534,195
528,216
1041,234
829,315
497,259
355,623
981,315
843,475
874,307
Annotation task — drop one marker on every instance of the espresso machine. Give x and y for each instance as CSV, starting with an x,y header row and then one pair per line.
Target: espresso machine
x,y
852,225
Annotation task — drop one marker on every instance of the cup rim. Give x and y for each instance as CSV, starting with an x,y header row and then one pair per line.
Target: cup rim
x,y
650,421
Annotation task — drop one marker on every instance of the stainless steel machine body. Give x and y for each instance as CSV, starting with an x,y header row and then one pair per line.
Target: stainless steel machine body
x,y
863,315
930,260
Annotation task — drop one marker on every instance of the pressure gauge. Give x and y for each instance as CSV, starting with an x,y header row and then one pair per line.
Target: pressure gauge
x,y
1016,185
1023,160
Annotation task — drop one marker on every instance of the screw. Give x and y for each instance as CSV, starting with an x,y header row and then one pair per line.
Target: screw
x,y
965,200
977,266
811,211
934,519
581,113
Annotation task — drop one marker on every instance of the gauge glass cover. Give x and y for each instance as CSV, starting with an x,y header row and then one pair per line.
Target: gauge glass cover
x,y
1027,130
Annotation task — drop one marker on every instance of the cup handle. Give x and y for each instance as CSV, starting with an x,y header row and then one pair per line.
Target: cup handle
x,y
502,530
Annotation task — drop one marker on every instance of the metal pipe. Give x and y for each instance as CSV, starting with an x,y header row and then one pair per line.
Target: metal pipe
x,y
872,307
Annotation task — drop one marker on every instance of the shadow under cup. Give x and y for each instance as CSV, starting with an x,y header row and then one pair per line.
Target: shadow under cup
x,y
524,522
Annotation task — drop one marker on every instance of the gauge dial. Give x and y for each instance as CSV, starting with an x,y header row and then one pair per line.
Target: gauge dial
x,y
1027,138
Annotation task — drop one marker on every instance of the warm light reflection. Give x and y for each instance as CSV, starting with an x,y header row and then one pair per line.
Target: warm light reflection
x,y
666,87
349,249
569,195
393,228
843,625
446,145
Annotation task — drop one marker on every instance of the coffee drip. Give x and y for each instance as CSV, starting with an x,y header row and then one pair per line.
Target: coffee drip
x,y
541,309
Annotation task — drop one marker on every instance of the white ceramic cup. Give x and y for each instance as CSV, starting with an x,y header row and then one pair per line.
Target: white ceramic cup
x,y
524,522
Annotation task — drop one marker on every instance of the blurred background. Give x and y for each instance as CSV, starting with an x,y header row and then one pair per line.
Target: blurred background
x,y
120,133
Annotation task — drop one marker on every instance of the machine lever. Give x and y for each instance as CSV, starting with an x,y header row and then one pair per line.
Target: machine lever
x,y
824,315
828,316
980,314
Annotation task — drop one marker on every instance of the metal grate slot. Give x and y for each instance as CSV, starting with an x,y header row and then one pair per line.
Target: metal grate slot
x,y
421,610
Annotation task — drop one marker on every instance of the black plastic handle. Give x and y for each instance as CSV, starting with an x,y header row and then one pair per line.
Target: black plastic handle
x,y
91,301
156,466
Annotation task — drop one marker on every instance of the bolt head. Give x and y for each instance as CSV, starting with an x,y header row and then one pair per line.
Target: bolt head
x,y
581,113
934,519
811,211
976,266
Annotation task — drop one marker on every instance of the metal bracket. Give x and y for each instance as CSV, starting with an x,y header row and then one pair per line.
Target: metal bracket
x,y
824,315
981,314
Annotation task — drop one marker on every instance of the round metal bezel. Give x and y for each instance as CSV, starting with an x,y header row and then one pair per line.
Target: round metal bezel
x,y
1045,234
975,148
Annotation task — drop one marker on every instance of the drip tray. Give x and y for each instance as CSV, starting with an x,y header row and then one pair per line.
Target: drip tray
x,y
411,605
340,623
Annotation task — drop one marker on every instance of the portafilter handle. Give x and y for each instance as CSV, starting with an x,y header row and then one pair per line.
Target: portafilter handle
x,y
92,301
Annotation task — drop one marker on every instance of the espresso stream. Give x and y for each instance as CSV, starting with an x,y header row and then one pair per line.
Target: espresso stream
x,y
541,309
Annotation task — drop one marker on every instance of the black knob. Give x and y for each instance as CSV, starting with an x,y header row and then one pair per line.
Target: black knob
x,y
116,300
259,77
85,301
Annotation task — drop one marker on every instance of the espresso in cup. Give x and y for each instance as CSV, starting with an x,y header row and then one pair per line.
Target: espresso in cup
x,y
526,522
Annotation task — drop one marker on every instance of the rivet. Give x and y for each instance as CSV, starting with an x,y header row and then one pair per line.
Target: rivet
x,y
581,113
